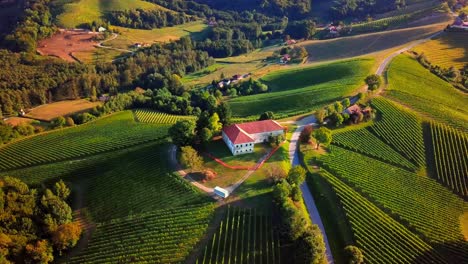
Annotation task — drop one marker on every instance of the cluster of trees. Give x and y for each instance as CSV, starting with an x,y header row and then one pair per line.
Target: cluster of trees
x,y
147,19
9,133
242,88
373,82
335,116
458,78
303,29
360,8
209,124
309,246
322,135
36,224
35,24
296,53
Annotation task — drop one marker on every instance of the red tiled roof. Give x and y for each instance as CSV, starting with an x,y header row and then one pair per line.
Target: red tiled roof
x,y
239,133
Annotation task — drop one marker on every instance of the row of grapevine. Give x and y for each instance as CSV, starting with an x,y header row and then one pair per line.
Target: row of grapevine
x,y
110,133
450,148
400,129
243,237
393,21
380,237
365,142
155,117
419,202
163,236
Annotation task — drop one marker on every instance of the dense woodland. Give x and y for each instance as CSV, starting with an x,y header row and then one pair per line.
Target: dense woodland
x,y
36,225
147,19
360,8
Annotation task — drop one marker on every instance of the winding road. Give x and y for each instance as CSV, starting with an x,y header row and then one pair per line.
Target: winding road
x,y
310,120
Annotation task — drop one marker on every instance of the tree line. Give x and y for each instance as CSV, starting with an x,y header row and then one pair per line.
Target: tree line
x,y
341,9
147,19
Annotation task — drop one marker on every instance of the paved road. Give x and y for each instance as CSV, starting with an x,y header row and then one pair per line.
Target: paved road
x,y
306,194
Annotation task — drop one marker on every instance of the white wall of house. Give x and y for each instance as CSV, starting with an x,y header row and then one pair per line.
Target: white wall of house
x,y
263,137
244,148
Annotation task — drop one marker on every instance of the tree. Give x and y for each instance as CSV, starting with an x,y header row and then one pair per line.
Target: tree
x,y
346,102
69,121
296,175
337,119
61,190
275,173
281,191
66,236
320,116
224,113
306,134
206,135
311,248
338,107
40,252
189,158
56,211
353,255
373,81
182,132
59,122
296,193
323,135
214,124
267,116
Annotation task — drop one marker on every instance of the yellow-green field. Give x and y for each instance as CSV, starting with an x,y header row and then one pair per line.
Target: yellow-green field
x,y
130,36
450,49
86,11
98,55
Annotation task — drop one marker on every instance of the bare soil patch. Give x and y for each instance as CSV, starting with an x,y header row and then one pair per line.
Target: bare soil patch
x,y
48,112
15,121
66,42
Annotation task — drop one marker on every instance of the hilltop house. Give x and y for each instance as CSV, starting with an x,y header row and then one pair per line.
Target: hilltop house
x,y
241,138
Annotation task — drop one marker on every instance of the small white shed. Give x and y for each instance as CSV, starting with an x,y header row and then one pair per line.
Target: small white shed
x,y
221,192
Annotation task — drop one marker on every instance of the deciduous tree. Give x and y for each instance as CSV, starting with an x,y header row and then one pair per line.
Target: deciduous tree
x,y
189,158
353,255
322,136
182,132
373,81
66,236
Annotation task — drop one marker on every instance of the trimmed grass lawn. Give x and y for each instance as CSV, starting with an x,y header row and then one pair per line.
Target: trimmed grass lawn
x,y
75,13
226,176
130,36
303,89
416,87
48,112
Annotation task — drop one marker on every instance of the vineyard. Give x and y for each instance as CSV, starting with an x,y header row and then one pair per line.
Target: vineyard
x,y
410,198
390,22
363,141
446,51
155,117
117,131
416,87
381,238
243,237
400,129
163,236
450,148
296,91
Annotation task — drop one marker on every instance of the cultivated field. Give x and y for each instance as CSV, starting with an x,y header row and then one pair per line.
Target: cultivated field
x,y
449,49
154,117
368,44
450,148
66,43
114,132
14,121
48,112
416,87
302,89
76,13
243,237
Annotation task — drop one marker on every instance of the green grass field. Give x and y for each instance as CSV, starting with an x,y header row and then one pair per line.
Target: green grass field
x,y
416,87
110,133
75,13
302,89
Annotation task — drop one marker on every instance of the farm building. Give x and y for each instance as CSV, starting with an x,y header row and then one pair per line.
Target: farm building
x,y
241,138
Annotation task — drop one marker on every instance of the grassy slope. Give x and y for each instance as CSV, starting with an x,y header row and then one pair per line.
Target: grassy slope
x,y
449,49
87,11
303,89
416,87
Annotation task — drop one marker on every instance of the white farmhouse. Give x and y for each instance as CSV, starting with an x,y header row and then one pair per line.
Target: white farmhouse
x,y
241,138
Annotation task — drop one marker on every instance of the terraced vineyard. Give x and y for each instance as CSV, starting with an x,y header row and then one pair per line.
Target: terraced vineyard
x,y
155,117
163,236
416,87
420,202
400,129
111,133
243,237
450,148
363,141
380,237
300,90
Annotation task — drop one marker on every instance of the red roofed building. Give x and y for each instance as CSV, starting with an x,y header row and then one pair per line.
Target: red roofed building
x,y
241,138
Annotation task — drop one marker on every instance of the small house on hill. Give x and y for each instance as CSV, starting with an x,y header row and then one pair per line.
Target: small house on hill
x,y
101,29
241,138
